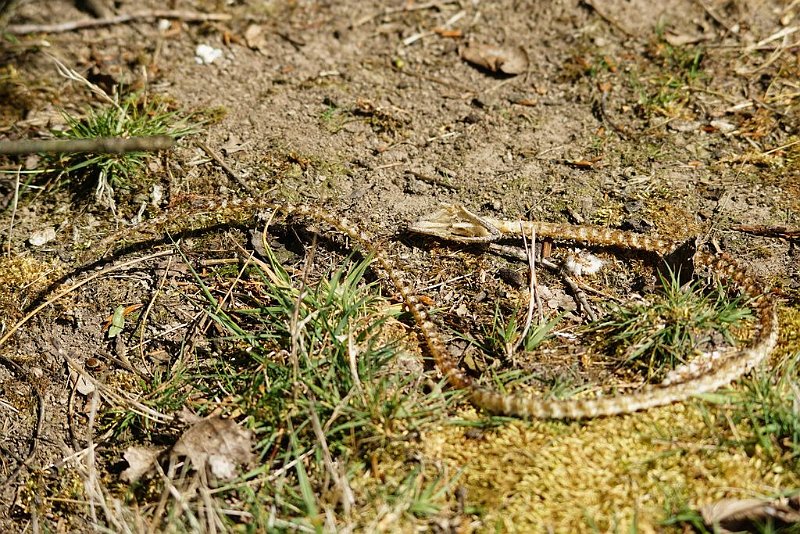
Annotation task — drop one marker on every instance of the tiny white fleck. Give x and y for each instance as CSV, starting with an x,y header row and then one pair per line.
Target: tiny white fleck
x,y
205,54
40,237
582,263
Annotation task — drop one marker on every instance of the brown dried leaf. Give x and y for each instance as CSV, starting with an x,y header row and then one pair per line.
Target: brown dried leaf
x,y
507,60
732,515
140,461
217,443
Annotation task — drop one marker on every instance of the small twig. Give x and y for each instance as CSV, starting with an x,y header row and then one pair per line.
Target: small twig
x,y
571,283
780,232
782,147
187,16
601,108
432,180
225,167
590,4
577,292
100,145
711,13
535,299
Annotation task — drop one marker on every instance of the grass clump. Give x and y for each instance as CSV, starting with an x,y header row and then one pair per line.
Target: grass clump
x,y
765,413
655,335
301,360
134,115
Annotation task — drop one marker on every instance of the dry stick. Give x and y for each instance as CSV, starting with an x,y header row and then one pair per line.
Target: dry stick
x,y
134,405
780,232
600,13
577,292
573,286
711,13
100,145
534,301
431,180
188,16
77,285
604,116
782,147
221,162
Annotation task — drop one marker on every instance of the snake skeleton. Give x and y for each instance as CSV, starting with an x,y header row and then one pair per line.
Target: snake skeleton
x,y
455,223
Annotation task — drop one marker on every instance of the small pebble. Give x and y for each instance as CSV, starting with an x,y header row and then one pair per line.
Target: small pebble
x,y
206,55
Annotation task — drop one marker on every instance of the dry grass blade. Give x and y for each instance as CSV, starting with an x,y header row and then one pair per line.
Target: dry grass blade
x,y
71,74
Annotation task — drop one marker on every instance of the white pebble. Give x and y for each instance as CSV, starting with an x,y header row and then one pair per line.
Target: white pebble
x,y
207,55
40,237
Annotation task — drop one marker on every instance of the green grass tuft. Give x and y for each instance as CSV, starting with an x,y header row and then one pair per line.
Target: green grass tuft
x,y
135,115
301,359
656,335
765,413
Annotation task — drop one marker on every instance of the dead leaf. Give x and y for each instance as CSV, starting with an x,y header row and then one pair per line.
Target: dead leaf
x,y
140,461
734,515
40,237
507,60
217,443
583,163
255,38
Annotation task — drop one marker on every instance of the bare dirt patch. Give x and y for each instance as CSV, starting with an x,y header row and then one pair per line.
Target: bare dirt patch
x,y
679,120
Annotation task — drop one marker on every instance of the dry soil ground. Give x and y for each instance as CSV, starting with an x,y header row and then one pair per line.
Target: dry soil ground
x,y
678,118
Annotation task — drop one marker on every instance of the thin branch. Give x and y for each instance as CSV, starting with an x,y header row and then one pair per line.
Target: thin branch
x,y
100,145
571,283
781,232
606,17
534,301
188,16
227,168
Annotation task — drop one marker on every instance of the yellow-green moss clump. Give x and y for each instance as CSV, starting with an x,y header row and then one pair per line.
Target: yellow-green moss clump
x,y
21,278
601,475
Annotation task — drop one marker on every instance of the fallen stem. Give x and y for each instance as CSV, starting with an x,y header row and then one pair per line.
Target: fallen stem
x,y
188,16
100,145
